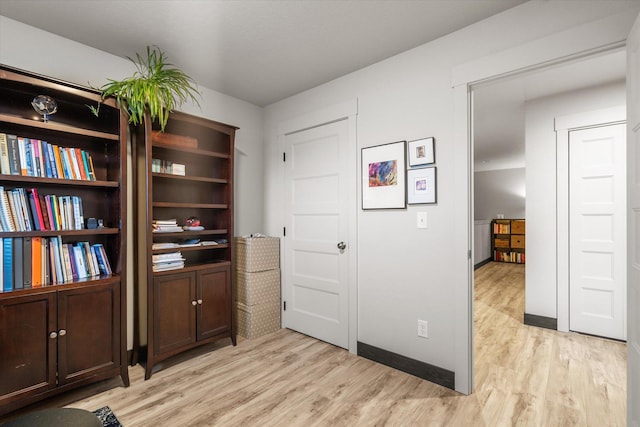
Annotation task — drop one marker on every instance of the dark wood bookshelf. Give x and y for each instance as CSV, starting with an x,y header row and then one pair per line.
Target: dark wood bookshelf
x,y
198,297
65,319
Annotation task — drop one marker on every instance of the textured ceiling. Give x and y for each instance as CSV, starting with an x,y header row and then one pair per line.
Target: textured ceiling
x,y
260,51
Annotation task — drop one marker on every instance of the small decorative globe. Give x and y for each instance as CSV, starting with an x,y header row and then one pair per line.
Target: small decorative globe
x,y
45,106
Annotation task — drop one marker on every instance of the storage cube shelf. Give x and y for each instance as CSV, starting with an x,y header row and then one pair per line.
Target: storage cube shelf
x,y
508,240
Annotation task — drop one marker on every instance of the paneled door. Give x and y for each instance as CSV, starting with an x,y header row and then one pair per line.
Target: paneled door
x,y
316,254
597,232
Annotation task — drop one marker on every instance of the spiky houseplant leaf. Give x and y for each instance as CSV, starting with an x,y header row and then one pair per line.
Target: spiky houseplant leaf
x,y
156,86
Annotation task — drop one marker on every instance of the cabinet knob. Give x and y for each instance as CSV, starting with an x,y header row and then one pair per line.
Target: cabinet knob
x,y
194,303
200,301
62,332
53,335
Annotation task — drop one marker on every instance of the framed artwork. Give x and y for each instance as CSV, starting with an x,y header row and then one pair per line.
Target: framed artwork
x,y
421,185
422,152
383,176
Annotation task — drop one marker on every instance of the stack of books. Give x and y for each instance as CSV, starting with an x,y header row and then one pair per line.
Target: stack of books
x,y
168,261
165,226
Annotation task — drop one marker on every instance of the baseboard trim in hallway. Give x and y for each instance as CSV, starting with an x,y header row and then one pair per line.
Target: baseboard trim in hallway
x,y
541,321
402,363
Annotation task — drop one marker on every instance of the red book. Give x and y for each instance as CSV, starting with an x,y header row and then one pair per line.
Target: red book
x,y
80,163
36,201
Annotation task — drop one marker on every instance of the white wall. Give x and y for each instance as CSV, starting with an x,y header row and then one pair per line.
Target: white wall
x,y
405,274
541,282
29,48
499,192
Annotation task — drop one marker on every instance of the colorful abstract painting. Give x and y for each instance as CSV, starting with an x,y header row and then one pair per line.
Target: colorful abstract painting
x,y
383,174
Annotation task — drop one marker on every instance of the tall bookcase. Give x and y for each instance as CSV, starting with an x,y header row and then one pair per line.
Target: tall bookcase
x,y
508,240
185,172
60,331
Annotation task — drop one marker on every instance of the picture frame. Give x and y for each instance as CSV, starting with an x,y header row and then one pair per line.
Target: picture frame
x,y
422,186
383,176
422,152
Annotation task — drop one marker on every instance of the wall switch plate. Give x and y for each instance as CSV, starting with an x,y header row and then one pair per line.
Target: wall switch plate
x,y
422,220
423,328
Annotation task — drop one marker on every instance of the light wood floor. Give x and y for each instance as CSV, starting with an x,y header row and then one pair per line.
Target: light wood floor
x,y
524,376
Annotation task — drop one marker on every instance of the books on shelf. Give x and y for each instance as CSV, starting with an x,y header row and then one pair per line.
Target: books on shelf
x,y
32,262
33,157
24,209
168,167
168,261
516,257
499,228
165,226
169,245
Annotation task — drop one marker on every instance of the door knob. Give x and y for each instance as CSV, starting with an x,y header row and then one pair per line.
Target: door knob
x,y
342,246
62,332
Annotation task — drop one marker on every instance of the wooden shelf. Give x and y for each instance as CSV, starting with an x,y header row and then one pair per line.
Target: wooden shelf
x,y
199,296
508,240
39,295
19,179
58,127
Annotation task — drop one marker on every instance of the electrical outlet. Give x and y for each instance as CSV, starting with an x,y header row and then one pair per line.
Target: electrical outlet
x,y
423,328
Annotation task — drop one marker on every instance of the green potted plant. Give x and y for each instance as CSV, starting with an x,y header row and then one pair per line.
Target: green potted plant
x,y
157,87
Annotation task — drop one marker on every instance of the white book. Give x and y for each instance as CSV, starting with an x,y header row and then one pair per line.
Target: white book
x,y
5,167
81,267
7,222
169,245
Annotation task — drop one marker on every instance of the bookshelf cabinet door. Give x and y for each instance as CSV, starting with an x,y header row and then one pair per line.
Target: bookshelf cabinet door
x,y
27,354
174,308
214,292
90,343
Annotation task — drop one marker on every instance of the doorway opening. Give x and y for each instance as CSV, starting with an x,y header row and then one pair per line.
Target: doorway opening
x,y
513,171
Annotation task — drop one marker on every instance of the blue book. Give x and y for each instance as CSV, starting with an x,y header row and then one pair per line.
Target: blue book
x,y
52,161
46,160
7,264
28,157
97,250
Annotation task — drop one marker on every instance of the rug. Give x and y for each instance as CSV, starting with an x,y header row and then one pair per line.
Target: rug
x,y
108,418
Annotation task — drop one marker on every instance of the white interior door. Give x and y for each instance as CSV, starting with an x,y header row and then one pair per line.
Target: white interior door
x,y
633,225
317,249
597,232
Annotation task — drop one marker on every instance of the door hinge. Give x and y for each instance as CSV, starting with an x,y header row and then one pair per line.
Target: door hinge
x,y
469,254
284,157
284,231
285,305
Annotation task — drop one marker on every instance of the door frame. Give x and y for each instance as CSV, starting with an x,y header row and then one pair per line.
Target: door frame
x,y
587,40
563,125
347,110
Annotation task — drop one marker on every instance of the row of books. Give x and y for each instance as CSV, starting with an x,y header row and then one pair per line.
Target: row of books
x,y
501,228
517,257
24,209
167,166
31,262
168,261
34,157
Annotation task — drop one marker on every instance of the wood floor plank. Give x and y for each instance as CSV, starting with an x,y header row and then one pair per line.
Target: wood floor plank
x,y
524,376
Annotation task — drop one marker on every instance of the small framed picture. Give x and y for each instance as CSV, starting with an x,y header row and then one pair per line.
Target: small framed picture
x,y
421,186
383,177
421,152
